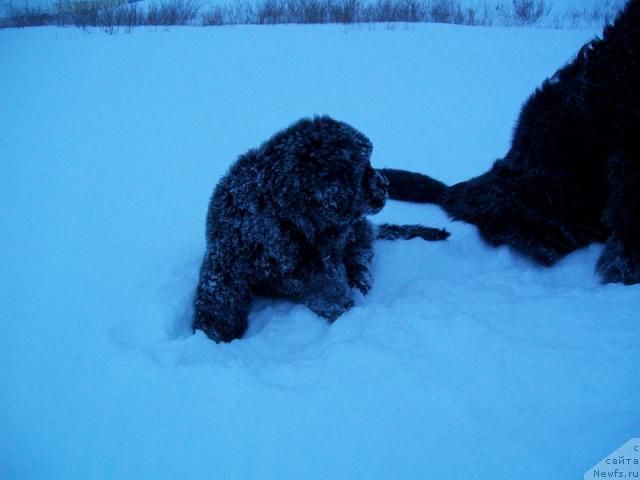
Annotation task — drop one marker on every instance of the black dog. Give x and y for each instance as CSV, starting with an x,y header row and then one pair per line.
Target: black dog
x,y
288,221
572,175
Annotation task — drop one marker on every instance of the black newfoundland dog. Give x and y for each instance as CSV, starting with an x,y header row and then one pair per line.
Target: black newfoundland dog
x,y
572,175
288,221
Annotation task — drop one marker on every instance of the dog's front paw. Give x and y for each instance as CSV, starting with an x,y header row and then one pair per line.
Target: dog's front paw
x,y
210,332
362,280
219,328
330,305
332,312
204,322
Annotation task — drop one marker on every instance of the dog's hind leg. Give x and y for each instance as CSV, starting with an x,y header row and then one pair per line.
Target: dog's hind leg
x,y
222,303
620,260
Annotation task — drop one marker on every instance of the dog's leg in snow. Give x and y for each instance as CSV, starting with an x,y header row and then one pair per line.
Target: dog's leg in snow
x,y
620,260
358,255
222,303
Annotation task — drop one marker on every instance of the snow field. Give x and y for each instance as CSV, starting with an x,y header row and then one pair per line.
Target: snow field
x,y
464,361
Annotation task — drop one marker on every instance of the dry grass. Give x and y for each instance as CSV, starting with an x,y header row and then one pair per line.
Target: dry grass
x,y
92,13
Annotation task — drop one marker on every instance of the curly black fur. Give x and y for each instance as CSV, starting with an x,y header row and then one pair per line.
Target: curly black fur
x,y
288,220
572,175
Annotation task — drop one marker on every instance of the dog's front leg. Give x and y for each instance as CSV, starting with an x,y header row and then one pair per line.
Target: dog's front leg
x,y
358,255
328,293
222,303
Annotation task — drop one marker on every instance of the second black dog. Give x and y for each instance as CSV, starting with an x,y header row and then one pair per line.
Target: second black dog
x,y
572,175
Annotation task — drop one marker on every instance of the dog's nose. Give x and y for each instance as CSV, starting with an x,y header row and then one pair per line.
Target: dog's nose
x,y
378,190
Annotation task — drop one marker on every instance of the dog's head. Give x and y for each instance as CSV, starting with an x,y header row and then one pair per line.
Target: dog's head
x,y
320,169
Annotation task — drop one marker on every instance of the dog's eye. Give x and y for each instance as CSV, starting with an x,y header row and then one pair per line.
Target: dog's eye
x,y
329,192
330,197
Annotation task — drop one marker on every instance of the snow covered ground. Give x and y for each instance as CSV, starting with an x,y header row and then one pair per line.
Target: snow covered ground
x,y
463,362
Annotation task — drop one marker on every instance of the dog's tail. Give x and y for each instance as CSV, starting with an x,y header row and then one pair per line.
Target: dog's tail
x,y
387,231
414,187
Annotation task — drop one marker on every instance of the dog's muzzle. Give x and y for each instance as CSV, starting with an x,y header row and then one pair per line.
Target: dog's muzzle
x,y
377,187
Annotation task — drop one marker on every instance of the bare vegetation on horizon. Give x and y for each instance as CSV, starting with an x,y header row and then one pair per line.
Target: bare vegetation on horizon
x,y
92,13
